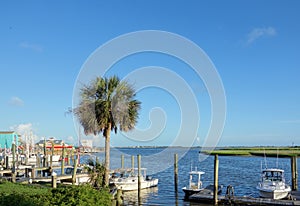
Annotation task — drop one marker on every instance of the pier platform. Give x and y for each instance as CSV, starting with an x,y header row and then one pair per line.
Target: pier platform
x,y
245,200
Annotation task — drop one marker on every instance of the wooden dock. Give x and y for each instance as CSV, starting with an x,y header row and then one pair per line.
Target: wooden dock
x,y
62,178
244,200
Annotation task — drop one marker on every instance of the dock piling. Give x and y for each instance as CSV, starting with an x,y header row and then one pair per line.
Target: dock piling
x,y
74,173
216,176
63,160
176,172
294,172
132,161
54,180
139,178
122,161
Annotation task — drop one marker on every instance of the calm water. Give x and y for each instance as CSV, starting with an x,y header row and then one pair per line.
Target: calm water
x,y
240,172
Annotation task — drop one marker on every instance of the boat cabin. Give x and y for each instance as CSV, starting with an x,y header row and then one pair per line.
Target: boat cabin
x,y
70,170
272,175
195,179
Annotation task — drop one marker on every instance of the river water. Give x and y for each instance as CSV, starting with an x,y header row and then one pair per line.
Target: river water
x,y
243,173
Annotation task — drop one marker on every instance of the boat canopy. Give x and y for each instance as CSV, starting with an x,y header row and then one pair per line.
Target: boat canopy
x,y
272,174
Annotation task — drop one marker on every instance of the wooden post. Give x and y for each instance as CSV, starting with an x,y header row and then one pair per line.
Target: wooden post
x,y
26,160
139,178
44,157
294,173
54,180
176,172
72,156
38,161
216,175
6,162
132,161
119,197
13,174
52,153
122,161
63,160
26,172
17,162
32,172
74,173
13,156
69,159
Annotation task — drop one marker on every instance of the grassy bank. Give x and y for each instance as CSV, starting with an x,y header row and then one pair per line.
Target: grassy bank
x,y
14,194
257,151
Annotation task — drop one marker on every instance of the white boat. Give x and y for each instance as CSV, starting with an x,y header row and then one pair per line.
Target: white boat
x,y
195,185
82,177
128,181
272,184
55,158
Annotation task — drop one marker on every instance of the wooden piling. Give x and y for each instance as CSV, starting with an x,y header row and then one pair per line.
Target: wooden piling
x,y
52,153
44,157
119,197
74,173
32,172
6,162
13,156
69,159
216,176
122,161
63,160
294,172
132,161
139,178
72,156
54,180
176,172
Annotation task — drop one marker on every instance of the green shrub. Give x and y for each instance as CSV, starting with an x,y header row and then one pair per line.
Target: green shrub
x,y
36,195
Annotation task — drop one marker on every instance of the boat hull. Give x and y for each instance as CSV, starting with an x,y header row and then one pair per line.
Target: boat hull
x,y
125,185
189,192
273,194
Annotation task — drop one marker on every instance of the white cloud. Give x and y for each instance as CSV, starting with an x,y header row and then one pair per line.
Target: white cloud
x,y
25,130
16,101
260,32
71,140
31,46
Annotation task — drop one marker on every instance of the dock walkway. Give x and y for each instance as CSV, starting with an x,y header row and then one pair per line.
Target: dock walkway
x,y
245,200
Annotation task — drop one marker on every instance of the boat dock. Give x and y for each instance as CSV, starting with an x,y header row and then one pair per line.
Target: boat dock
x,y
230,199
244,200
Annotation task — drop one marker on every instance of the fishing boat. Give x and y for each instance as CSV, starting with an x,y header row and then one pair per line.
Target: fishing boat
x,y
82,177
272,184
195,185
127,180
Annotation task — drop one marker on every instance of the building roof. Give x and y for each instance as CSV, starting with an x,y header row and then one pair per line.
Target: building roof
x,y
7,132
56,141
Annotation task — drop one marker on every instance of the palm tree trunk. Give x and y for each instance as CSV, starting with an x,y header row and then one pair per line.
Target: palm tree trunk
x,y
107,155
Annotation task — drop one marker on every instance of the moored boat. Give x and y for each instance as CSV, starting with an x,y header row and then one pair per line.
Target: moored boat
x,y
82,177
195,185
128,180
272,184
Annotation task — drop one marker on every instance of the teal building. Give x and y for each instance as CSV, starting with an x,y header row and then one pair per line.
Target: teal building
x,y
7,138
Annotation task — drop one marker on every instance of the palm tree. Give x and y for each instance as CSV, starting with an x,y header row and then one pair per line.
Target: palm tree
x,y
107,104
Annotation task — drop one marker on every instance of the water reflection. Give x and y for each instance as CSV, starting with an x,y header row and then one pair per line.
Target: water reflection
x,y
131,197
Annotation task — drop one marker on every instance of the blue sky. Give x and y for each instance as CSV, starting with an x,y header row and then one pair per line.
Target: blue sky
x,y
254,46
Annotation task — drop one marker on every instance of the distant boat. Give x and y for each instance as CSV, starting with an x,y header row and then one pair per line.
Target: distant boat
x,y
272,184
128,180
195,185
55,158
